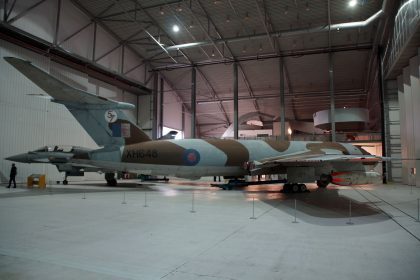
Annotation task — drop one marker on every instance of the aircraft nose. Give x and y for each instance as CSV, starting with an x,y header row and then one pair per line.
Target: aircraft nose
x,y
19,158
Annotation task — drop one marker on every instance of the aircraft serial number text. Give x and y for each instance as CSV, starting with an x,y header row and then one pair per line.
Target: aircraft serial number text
x,y
142,154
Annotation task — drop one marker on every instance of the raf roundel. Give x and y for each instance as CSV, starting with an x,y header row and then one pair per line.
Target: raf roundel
x,y
111,116
191,157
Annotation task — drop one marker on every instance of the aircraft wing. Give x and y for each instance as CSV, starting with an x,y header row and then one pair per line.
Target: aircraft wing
x,y
309,159
59,91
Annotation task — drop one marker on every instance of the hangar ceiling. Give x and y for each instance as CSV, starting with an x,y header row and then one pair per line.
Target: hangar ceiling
x,y
255,33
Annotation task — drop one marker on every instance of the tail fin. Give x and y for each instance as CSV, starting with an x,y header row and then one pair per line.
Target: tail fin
x,y
102,118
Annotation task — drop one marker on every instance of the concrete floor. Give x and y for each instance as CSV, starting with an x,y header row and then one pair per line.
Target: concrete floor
x,y
56,234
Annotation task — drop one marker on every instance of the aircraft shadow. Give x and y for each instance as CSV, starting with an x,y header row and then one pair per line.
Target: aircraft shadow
x,y
320,206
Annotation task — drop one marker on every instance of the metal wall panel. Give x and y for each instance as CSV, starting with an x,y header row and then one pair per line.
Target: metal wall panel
x,y
29,122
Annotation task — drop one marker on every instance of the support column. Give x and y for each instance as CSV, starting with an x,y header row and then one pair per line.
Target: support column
x,y
235,100
409,124
332,97
5,11
193,102
122,59
57,22
403,124
415,103
161,107
94,41
155,105
282,103
383,126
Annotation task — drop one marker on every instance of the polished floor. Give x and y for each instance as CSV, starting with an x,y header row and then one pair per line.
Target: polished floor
x,y
189,230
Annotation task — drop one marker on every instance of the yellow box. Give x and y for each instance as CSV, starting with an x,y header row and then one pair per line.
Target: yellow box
x,y
37,179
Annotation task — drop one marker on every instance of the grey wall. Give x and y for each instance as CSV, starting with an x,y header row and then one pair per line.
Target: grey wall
x,y
409,100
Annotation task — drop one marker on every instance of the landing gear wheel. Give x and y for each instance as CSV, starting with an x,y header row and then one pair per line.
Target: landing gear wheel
x,y
295,188
302,188
65,182
110,179
323,181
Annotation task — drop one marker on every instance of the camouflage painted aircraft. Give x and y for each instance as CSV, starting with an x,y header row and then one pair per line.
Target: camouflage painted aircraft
x,y
126,148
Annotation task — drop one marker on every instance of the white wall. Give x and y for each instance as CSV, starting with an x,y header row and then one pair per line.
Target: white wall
x,y
29,122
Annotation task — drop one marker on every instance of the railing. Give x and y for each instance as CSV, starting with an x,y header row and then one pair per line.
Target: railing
x,y
405,25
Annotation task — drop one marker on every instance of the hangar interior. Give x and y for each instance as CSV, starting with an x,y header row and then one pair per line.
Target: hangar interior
x,y
296,62
250,69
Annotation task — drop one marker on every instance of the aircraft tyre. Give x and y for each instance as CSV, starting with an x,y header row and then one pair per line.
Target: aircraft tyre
x,y
323,181
302,188
112,182
294,188
110,179
65,182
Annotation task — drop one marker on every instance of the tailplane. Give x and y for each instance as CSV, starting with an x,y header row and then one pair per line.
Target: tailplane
x,y
102,118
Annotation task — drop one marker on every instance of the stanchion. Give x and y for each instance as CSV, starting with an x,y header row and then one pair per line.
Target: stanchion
x,y
295,221
418,209
124,202
192,203
349,222
145,200
84,195
253,207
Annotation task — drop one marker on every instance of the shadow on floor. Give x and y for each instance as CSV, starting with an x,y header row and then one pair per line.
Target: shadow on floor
x,y
319,206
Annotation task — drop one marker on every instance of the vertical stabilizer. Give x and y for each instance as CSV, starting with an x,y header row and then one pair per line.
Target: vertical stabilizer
x,y
102,118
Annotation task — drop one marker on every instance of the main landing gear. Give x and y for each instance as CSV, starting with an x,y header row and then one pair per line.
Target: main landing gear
x,y
110,179
323,181
294,188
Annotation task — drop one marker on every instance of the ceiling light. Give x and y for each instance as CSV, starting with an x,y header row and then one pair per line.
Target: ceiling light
x,y
192,24
179,8
175,28
228,18
261,48
246,16
161,11
216,2
352,3
307,6
244,49
289,131
212,53
286,10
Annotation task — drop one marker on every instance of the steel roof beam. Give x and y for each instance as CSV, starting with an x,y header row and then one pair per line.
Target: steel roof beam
x,y
165,3
186,57
24,12
246,81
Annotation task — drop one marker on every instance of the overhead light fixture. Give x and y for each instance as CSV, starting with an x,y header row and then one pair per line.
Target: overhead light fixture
x,y
216,2
244,49
175,28
179,8
192,24
227,18
286,10
307,6
289,131
162,12
246,16
212,53
261,48
352,3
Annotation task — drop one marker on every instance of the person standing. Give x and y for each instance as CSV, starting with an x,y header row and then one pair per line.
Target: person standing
x,y
13,172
